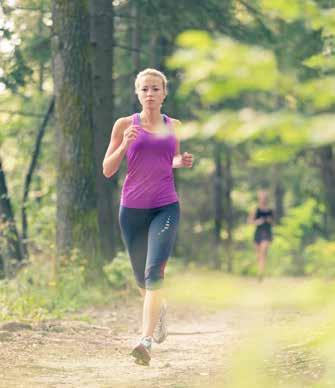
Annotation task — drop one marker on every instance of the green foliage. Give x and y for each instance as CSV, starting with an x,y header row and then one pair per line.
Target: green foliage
x,y
320,92
320,258
289,329
224,72
222,68
26,35
296,231
41,291
119,273
323,61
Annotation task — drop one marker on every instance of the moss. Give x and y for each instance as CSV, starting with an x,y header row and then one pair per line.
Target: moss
x,y
85,233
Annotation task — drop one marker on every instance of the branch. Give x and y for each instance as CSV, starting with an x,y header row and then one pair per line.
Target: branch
x,y
11,247
12,112
29,9
32,167
124,16
129,48
259,17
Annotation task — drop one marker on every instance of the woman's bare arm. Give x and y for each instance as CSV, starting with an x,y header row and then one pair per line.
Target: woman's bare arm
x,y
252,219
118,146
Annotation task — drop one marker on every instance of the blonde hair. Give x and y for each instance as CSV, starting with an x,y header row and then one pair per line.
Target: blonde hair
x,y
153,72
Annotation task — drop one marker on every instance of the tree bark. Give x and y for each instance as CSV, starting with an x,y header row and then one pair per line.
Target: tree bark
x,y
41,64
77,220
135,45
279,192
10,243
327,161
153,58
228,206
102,42
218,210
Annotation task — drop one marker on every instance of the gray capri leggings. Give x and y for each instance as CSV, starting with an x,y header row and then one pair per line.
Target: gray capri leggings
x,y
149,236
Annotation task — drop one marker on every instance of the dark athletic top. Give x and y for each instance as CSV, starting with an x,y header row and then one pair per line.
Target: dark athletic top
x,y
265,228
263,213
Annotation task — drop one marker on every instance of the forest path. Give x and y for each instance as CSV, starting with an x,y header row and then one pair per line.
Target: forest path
x,y
74,353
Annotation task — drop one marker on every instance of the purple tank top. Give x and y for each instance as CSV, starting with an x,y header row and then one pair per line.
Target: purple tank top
x,y
150,182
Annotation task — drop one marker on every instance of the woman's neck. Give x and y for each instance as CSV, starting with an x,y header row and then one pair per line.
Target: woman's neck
x,y
151,117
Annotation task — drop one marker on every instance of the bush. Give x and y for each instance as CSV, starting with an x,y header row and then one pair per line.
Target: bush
x,y
119,273
39,292
321,258
293,235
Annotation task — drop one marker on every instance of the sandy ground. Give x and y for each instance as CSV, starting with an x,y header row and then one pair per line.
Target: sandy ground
x,y
73,353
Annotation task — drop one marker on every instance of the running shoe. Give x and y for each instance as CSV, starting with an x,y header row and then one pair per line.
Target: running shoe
x,y
160,332
142,351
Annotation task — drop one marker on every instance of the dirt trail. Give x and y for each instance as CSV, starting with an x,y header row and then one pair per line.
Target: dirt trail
x,y
71,353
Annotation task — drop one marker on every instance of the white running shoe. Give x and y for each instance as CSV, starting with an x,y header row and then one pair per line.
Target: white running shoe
x,y
160,332
142,351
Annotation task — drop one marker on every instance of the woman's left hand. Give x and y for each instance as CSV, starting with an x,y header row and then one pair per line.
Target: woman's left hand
x,y
186,160
183,160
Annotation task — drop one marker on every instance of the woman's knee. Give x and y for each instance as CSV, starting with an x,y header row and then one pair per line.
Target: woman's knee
x,y
264,246
154,276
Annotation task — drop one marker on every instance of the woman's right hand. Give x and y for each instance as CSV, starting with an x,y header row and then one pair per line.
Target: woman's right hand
x,y
129,135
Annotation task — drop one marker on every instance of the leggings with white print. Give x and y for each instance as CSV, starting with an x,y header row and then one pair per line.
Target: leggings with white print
x,y
149,236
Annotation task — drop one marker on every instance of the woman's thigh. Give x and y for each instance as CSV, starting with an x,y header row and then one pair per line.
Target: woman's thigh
x,y
162,236
264,245
134,224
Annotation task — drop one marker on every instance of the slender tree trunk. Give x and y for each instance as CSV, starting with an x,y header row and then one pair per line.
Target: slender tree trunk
x,y
77,219
279,193
40,65
135,44
228,205
31,170
327,160
153,60
102,41
218,211
10,244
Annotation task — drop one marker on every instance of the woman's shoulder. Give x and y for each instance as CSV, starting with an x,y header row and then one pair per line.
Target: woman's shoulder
x,y
124,121
121,124
175,122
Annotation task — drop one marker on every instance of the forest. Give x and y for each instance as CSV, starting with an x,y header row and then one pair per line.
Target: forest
x,y
253,84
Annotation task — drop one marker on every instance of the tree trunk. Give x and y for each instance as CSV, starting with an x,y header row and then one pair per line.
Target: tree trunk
x,y
77,220
279,193
135,45
328,177
228,206
153,58
101,37
41,64
218,211
10,244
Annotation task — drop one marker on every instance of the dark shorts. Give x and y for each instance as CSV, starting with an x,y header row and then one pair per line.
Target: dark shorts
x,y
149,236
262,234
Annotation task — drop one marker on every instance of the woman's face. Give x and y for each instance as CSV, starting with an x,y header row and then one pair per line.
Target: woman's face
x,y
262,196
150,91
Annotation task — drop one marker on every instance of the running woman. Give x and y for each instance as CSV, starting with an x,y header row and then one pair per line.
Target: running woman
x,y
262,217
149,208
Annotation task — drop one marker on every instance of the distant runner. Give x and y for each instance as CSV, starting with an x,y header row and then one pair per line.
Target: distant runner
x,y
262,217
